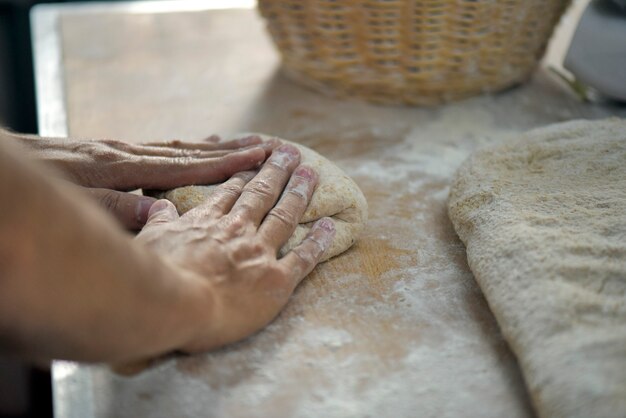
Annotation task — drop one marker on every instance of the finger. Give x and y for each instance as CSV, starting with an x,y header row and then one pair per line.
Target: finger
x,y
130,209
262,192
282,220
165,151
301,260
269,144
214,143
164,173
177,149
161,212
225,195
239,142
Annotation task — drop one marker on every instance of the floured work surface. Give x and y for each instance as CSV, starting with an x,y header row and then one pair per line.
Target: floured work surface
x,y
544,222
396,326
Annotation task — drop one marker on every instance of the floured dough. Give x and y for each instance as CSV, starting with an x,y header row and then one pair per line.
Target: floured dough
x,y
544,223
337,196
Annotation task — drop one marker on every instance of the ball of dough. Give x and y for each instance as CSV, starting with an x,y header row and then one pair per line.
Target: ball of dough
x,y
336,196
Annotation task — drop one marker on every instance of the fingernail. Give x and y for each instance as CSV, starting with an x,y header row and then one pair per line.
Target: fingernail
x,y
326,224
284,155
158,206
246,175
305,172
142,211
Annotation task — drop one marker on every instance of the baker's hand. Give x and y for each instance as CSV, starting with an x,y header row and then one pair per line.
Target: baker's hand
x,y
108,168
229,247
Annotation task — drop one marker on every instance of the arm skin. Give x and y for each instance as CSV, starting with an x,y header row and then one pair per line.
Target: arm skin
x,y
108,168
74,285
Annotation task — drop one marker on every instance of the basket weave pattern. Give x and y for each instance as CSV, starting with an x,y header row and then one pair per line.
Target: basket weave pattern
x,y
419,52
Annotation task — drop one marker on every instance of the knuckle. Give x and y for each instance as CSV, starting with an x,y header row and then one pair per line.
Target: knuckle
x,y
279,166
183,160
183,153
244,209
310,252
158,219
245,176
246,251
229,190
232,186
307,257
235,225
108,151
110,200
112,143
283,216
259,189
300,193
107,155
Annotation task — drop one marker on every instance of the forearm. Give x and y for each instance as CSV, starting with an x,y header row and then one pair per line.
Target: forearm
x,y
74,285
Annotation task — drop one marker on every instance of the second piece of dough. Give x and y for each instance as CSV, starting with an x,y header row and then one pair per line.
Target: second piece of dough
x,y
544,222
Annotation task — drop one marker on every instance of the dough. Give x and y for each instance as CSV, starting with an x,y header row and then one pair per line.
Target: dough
x,y
337,196
544,223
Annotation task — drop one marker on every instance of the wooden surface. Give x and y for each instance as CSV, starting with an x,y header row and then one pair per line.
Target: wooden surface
x,y
396,326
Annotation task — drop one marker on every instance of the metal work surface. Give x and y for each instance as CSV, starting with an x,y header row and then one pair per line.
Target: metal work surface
x,y
396,326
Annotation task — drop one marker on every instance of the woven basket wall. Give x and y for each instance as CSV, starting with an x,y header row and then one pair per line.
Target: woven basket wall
x,y
419,52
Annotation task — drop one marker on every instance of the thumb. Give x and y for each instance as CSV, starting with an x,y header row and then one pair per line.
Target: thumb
x,y
162,211
130,209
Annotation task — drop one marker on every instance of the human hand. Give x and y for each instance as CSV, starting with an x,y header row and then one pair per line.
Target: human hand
x,y
107,168
228,247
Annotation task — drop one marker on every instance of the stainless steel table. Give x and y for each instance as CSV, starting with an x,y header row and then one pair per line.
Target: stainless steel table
x,y
396,326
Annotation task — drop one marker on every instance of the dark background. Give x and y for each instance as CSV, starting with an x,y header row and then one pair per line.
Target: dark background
x,y
17,92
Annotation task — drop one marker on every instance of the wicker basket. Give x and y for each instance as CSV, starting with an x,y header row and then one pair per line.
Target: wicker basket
x,y
419,52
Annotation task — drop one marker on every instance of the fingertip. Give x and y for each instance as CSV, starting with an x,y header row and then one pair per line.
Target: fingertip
x,y
250,157
288,149
326,224
285,156
303,259
274,141
162,211
323,233
307,172
271,144
257,155
161,206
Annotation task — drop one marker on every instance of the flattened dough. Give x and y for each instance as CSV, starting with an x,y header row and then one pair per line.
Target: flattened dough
x,y
337,196
544,223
